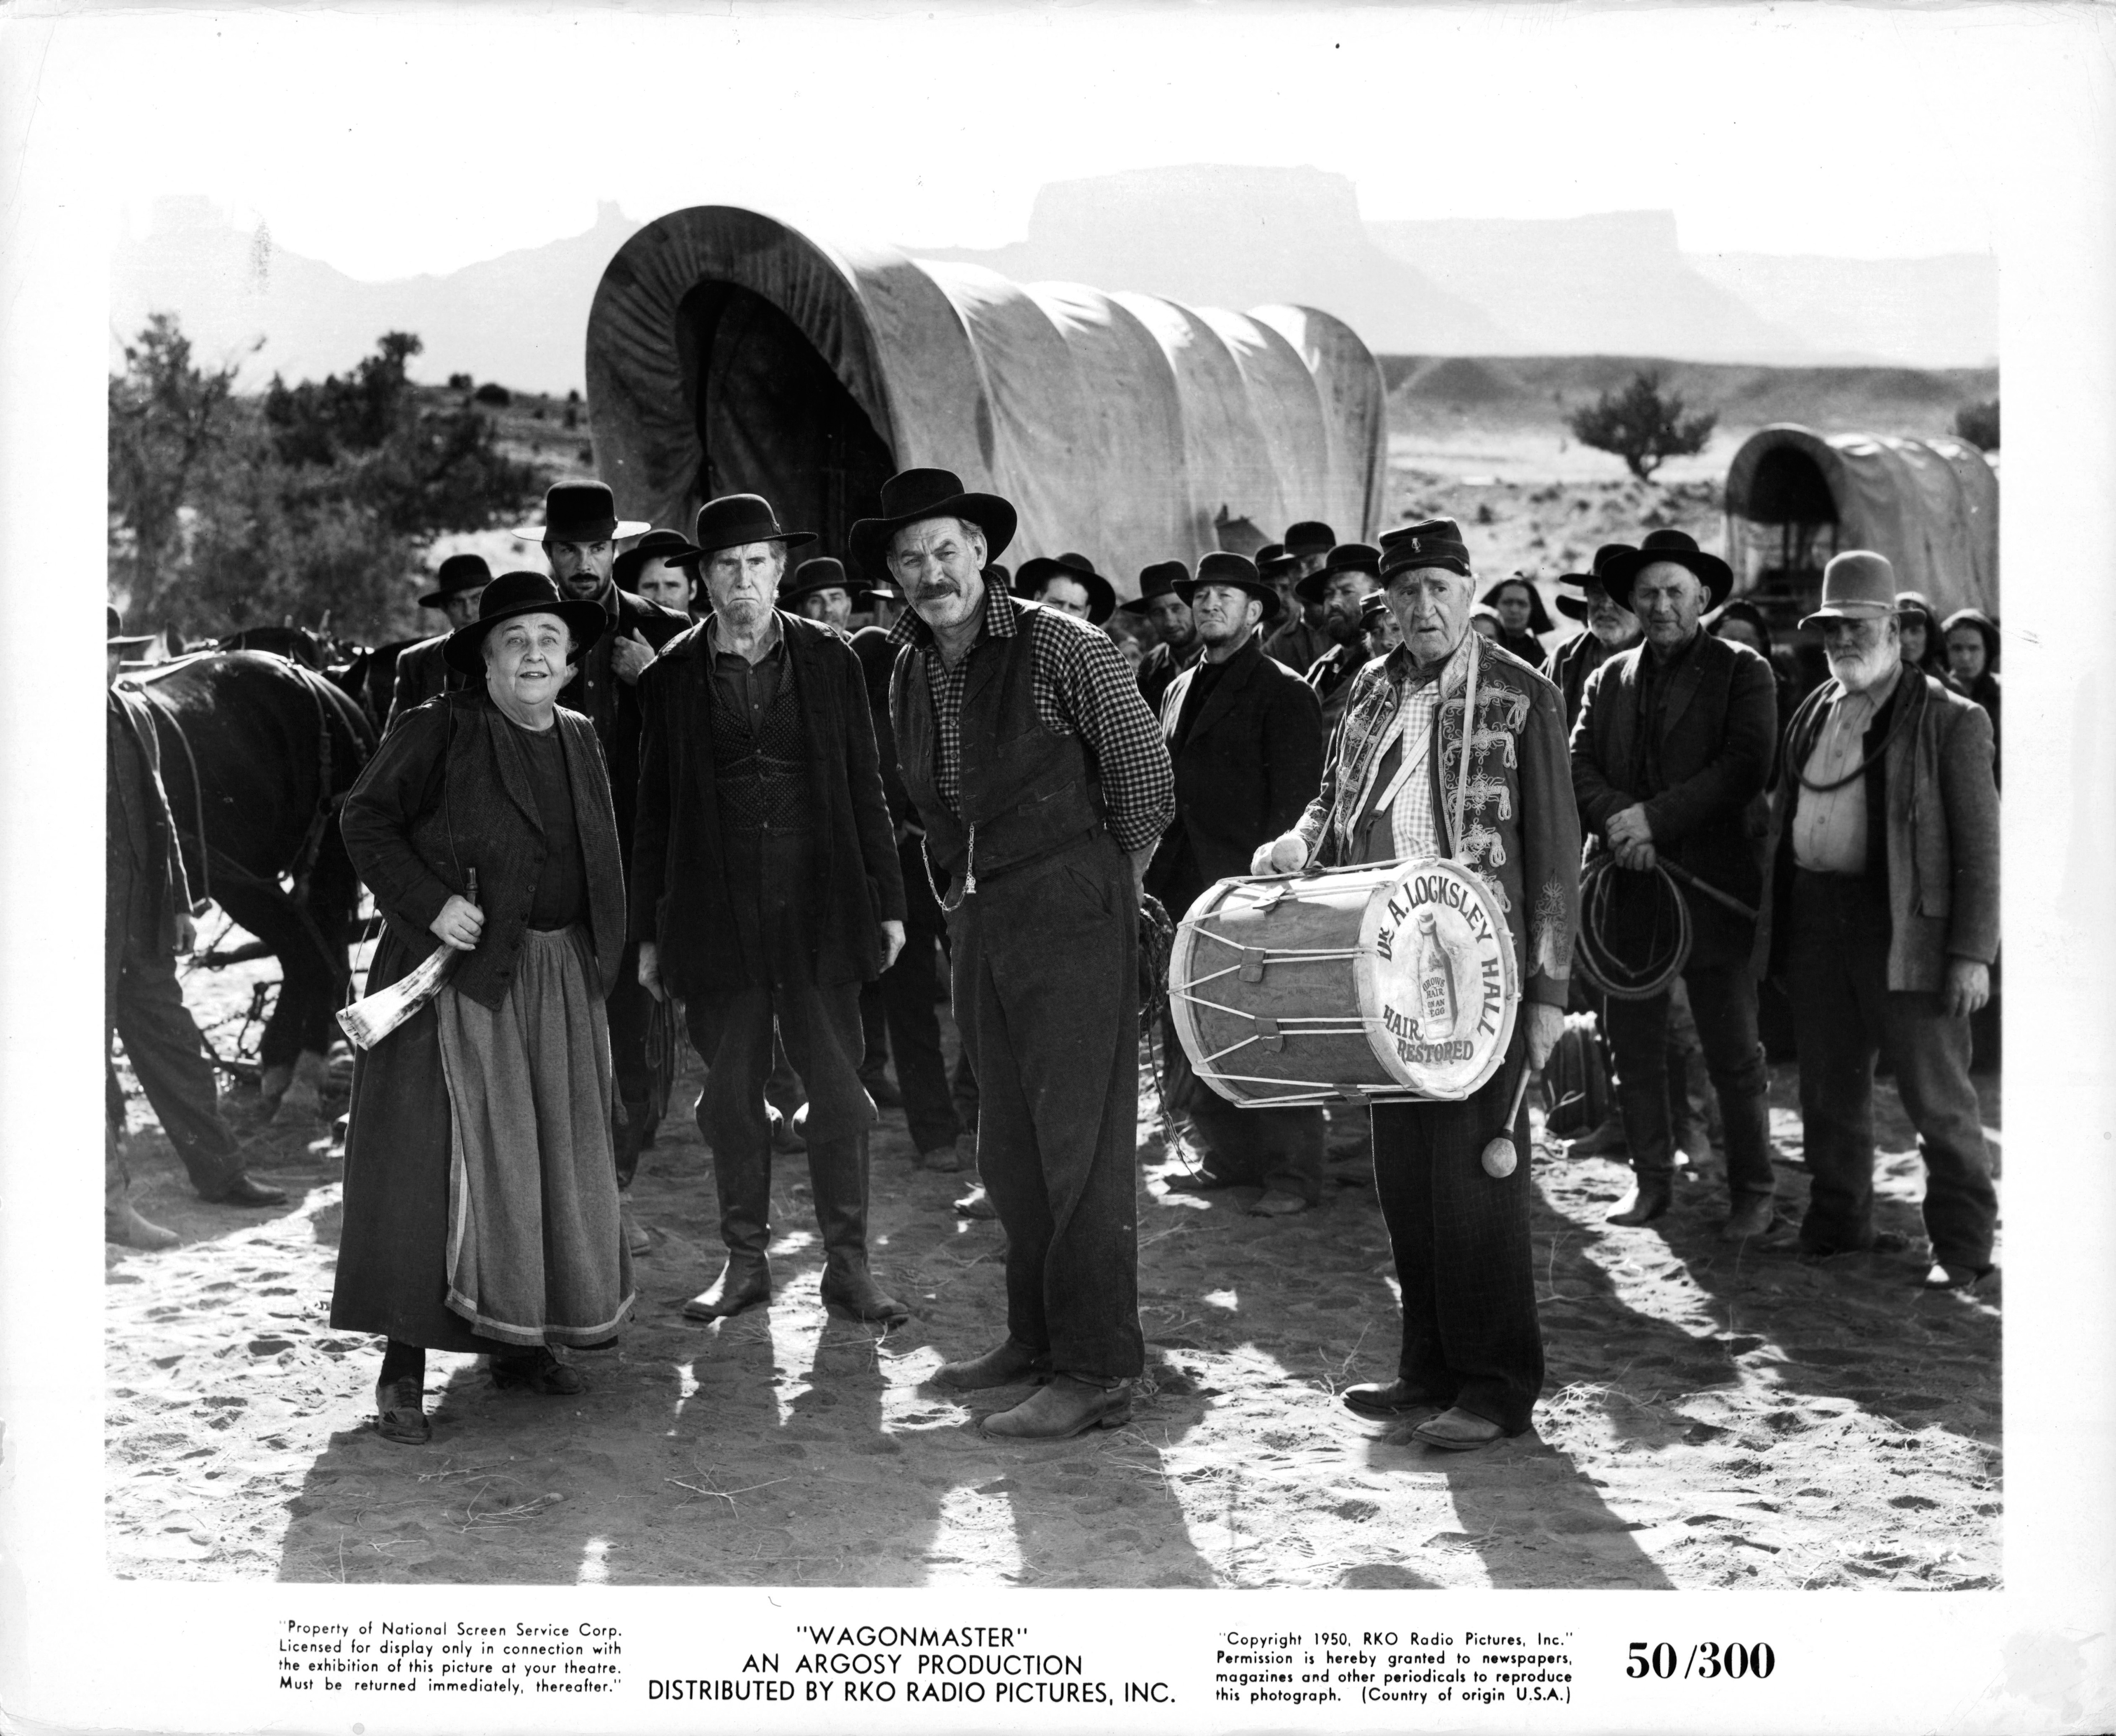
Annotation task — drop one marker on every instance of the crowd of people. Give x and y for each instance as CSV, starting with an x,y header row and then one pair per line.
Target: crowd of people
x,y
687,775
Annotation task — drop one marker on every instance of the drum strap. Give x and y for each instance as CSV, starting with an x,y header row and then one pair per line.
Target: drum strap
x,y
1469,739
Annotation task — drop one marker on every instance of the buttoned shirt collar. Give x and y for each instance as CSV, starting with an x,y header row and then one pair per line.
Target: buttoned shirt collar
x,y
998,620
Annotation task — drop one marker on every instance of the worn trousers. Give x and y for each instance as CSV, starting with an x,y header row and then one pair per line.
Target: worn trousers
x,y
145,1004
1463,1256
1844,1013
1723,998
901,1004
1045,974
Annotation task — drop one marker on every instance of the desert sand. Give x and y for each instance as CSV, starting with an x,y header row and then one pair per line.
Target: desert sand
x,y
1714,1415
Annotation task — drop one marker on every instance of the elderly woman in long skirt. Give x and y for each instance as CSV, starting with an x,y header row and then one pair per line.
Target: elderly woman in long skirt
x,y
481,1193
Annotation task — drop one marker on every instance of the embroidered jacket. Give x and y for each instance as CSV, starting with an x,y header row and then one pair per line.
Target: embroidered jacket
x,y
1520,825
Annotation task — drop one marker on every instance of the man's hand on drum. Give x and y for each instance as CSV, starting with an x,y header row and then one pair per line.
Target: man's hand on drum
x,y
1546,1025
1631,838
459,924
1285,855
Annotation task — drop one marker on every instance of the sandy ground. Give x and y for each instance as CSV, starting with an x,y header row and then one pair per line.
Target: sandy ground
x,y
1713,1416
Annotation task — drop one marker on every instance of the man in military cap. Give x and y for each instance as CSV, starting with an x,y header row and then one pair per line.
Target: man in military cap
x,y
580,534
1404,755
421,670
1176,645
1348,577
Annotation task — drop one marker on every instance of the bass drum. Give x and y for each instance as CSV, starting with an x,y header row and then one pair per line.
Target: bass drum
x,y
1382,982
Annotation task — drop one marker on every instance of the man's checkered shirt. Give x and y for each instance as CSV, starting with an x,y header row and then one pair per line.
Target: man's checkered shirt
x,y
1083,689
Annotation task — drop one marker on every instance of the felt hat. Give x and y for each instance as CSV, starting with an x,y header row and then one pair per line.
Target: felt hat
x,y
1347,557
1575,607
1538,617
1274,560
912,494
1156,581
458,573
1856,586
734,520
127,646
1102,594
1984,624
1371,609
818,572
671,546
1310,536
1430,543
1678,546
521,593
1223,568
581,512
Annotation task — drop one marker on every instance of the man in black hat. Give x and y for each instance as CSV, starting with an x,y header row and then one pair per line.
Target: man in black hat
x,y
1670,758
1070,584
1348,577
1043,785
662,568
421,670
818,590
1398,765
765,891
147,920
1176,644
1245,741
1300,638
579,535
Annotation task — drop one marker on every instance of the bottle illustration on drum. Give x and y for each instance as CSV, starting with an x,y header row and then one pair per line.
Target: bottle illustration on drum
x,y
1433,971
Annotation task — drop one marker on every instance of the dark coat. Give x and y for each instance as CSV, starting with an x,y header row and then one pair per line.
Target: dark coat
x,y
449,790
423,674
877,653
681,898
1939,830
1251,763
1568,666
612,705
1158,667
146,889
1706,812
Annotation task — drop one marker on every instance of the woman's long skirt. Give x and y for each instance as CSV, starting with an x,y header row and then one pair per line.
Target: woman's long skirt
x,y
481,1197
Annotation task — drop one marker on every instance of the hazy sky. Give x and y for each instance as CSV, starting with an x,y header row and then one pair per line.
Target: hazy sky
x,y
419,141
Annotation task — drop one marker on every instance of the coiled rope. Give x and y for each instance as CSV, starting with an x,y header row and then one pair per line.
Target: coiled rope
x,y
1667,936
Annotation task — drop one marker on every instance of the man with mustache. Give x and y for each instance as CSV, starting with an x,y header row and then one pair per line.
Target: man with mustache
x,y
1471,1348
1883,921
1043,785
1670,756
1176,645
1245,739
580,534
1298,639
1349,574
765,891
1611,628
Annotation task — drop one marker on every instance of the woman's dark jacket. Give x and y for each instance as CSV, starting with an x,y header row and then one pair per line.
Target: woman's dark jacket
x,y
448,790
680,895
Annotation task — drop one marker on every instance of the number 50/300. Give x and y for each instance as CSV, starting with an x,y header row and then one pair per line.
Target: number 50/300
x,y
1707,1659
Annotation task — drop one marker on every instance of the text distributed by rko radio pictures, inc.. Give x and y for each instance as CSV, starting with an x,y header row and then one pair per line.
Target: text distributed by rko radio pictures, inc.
x,y
863,1664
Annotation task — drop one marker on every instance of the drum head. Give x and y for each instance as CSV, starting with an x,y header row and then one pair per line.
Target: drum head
x,y
1438,986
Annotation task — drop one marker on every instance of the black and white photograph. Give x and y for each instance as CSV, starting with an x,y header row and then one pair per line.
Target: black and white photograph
x,y
1120,799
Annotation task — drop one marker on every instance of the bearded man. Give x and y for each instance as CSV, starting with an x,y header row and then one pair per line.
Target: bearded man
x,y
1348,577
765,891
1883,922
1471,1346
1610,627
1043,785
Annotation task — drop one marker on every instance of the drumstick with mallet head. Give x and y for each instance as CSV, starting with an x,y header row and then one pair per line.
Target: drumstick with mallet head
x,y
1500,1156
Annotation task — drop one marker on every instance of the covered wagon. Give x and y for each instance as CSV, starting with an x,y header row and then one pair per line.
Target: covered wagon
x,y
728,351
1795,497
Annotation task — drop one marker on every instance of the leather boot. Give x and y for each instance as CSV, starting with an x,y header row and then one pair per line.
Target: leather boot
x,y
743,1180
838,1171
627,1138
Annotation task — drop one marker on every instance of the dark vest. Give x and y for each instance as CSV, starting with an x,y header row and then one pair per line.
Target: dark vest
x,y
1025,792
760,770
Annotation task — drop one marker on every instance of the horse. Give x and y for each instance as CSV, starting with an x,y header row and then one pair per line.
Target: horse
x,y
257,755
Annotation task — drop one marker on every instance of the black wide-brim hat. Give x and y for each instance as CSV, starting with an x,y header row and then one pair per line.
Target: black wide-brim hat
x,y
521,593
1575,608
1102,594
1538,617
1156,581
912,494
734,520
1622,571
458,573
581,512
822,573
1222,567
671,546
1347,557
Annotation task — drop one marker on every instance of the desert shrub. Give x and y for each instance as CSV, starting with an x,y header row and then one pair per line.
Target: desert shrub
x,y
1643,426
493,393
